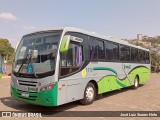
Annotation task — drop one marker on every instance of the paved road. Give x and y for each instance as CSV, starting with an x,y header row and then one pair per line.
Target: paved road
x,y
146,97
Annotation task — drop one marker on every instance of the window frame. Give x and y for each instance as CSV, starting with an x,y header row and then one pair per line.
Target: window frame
x,y
79,67
112,60
126,61
86,49
96,40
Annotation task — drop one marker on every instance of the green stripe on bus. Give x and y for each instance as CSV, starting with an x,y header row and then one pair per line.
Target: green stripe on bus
x,y
109,82
105,68
112,70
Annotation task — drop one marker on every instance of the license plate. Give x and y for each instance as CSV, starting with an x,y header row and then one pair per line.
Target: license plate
x,y
24,94
32,89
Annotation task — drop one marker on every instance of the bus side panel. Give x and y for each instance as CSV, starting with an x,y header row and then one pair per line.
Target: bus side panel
x,y
143,72
122,77
109,72
71,88
109,76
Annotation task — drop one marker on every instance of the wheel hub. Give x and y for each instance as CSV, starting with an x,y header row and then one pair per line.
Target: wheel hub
x,y
136,83
89,93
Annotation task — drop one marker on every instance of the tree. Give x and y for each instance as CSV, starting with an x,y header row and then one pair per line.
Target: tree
x,y
155,61
6,49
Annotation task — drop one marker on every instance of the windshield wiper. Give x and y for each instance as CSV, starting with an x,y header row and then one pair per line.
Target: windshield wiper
x,y
22,63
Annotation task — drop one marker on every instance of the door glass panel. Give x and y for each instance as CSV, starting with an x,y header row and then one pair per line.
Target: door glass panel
x,y
72,60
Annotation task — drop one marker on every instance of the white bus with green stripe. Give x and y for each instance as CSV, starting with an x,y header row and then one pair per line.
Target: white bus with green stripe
x,y
55,67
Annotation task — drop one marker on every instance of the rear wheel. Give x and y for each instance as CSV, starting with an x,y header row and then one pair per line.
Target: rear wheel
x,y
89,94
136,82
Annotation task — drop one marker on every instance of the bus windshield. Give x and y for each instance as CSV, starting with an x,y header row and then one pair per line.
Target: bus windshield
x,y
36,55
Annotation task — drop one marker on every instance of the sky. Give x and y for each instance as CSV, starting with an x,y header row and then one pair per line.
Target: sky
x,y
117,18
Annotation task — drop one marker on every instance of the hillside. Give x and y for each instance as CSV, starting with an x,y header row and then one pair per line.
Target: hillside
x,y
152,43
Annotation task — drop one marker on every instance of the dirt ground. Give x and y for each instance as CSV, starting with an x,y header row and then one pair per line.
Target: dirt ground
x,y
145,98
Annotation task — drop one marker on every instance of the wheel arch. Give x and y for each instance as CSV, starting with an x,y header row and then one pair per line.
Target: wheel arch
x,y
95,84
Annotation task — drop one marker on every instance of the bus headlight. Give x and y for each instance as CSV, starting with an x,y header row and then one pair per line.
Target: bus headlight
x,y
47,87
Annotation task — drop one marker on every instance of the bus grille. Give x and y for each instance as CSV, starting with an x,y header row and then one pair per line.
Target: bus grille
x,y
27,83
32,96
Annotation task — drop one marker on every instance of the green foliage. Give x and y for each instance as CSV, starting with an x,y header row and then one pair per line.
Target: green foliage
x,y
155,61
6,49
155,40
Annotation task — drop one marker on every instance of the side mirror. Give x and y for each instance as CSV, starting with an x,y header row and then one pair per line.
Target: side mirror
x,y
65,44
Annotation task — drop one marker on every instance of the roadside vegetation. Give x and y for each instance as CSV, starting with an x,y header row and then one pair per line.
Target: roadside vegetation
x,y
6,50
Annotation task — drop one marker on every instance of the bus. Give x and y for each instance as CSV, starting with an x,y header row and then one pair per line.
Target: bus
x,y
54,67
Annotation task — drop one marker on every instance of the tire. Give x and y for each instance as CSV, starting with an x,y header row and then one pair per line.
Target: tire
x,y
89,94
136,83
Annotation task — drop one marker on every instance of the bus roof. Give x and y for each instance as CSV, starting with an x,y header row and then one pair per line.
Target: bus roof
x,y
72,29
120,41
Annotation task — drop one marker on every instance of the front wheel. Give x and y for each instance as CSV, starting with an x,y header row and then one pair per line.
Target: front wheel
x,y
89,94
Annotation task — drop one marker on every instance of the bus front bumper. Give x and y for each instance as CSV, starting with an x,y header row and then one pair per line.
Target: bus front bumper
x,y
48,98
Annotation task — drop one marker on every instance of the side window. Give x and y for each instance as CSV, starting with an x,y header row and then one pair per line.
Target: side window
x,y
72,60
144,57
147,57
127,53
112,51
140,56
124,53
136,55
93,48
96,48
133,54
101,52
